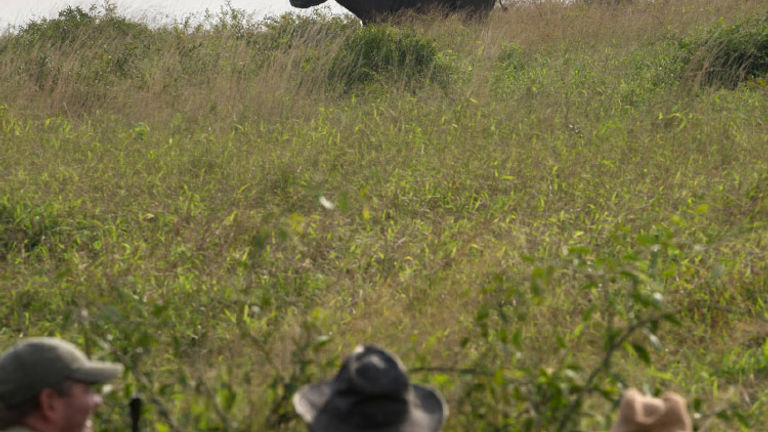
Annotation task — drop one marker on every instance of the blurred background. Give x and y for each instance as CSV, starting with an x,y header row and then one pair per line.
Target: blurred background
x,y
18,12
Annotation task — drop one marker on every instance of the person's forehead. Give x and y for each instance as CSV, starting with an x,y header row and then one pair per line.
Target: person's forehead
x,y
80,385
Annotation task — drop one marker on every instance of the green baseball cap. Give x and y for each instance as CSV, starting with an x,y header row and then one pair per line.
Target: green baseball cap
x,y
38,363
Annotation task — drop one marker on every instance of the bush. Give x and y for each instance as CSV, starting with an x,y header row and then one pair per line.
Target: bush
x,y
87,50
23,228
74,23
70,22
726,56
507,67
285,31
384,55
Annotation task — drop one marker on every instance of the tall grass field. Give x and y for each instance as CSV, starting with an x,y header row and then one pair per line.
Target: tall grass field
x,y
534,212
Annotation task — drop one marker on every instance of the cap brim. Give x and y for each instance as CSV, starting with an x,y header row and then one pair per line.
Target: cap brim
x,y
96,372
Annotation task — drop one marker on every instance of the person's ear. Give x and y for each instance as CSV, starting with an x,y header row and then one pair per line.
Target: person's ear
x,y
49,403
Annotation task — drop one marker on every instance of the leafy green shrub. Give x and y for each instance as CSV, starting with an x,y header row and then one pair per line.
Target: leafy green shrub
x,y
507,67
556,394
62,29
106,46
726,56
285,31
74,23
23,228
382,54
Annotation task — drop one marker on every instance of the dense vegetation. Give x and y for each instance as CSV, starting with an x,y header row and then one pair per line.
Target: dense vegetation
x,y
534,212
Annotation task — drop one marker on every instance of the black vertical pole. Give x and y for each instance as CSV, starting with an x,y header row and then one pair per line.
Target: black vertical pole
x,y
135,406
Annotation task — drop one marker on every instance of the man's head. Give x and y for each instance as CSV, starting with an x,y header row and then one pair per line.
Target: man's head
x,y
45,383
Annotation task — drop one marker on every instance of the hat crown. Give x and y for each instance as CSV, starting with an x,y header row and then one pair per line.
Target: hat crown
x,y
34,364
372,371
371,392
640,413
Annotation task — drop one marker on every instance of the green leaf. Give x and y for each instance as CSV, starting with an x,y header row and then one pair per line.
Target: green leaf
x,y
642,353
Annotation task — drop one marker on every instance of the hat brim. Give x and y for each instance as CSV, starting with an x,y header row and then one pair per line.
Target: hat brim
x,y
310,399
97,372
427,410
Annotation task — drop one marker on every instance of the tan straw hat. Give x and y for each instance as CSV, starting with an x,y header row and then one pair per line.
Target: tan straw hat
x,y
640,413
371,392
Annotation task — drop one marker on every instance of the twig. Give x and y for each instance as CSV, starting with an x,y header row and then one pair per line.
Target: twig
x,y
605,363
462,371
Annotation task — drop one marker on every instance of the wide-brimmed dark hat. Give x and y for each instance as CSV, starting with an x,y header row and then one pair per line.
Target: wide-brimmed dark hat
x,y
37,363
371,392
